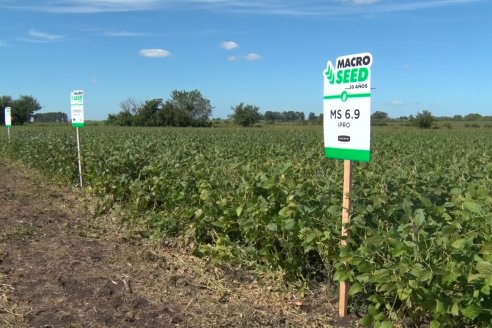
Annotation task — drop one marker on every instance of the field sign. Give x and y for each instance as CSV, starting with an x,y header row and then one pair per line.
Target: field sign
x,y
8,117
77,108
347,108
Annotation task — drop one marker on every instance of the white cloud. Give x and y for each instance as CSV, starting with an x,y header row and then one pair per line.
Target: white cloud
x,y
229,45
249,57
3,44
41,37
154,53
396,103
252,57
45,36
88,6
321,8
252,7
122,34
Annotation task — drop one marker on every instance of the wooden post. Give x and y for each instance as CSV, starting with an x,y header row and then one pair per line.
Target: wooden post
x,y
78,157
347,188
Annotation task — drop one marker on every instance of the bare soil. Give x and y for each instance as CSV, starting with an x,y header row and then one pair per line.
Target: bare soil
x,y
62,267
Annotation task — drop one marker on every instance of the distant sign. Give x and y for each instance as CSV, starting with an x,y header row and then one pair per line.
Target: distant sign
x,y
8,117
347,108
77,108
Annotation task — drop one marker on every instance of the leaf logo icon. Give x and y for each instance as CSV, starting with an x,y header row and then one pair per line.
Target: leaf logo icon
x,y
330,75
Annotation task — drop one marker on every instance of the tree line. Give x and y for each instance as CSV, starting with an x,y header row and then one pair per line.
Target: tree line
x,y
285,116
248,115
51,117
425,118
191,108
184,108
380,115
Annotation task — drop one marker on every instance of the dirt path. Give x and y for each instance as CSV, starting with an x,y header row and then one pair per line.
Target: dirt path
x,y
59,267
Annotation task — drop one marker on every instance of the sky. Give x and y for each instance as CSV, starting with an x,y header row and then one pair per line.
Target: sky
x,y
430,55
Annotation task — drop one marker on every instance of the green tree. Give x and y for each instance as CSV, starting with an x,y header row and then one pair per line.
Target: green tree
x,y
246,115
126,117
378,115
269,116
424,119
23,109
121,119
473,117
130,106
185,108
147,114
170,115
194,103
54,117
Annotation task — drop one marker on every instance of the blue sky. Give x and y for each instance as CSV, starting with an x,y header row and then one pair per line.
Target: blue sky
x,y
427,54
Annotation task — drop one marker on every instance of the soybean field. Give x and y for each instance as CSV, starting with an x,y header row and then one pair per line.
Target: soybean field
x,y
420,244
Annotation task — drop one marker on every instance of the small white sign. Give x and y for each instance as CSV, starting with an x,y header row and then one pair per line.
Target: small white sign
x,y
347,108
8,117
77,108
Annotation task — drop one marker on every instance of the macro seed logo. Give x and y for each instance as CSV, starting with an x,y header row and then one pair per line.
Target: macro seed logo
x,y
349,69
347,107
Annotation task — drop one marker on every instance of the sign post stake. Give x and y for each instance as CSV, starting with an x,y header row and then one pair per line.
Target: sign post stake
x,y
347,189
77,110
78,156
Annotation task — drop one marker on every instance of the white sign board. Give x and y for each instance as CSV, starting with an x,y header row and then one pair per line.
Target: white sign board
x,y
347,108
77,108
8,117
